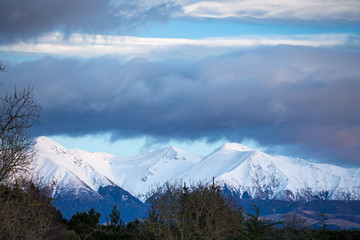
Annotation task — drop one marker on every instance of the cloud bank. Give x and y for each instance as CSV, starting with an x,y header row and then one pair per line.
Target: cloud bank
x,y
323,10
85,45
301,97
296,86
22,20
27,20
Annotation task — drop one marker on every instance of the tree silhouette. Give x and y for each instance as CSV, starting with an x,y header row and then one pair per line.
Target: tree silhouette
x,y
17,114
85,223
256,228
115,222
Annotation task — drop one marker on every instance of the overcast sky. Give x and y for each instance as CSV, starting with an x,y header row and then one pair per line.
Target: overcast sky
x,y
126,77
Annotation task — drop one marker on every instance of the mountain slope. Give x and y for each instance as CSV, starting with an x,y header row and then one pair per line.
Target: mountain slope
x,y
77,185
140,174
249,173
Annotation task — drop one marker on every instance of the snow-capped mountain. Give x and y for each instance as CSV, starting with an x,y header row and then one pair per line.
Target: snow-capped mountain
x,y
241,170
78,183
81,180
250,173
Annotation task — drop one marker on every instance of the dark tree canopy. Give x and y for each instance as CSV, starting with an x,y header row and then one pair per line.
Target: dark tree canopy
x,y
195,212
27,213
85,223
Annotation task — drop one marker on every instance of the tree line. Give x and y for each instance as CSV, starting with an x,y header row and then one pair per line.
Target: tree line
x,y
199,211
175,212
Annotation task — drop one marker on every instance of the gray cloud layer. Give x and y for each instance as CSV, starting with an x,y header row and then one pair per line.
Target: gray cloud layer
x,y
346,10
307,98
24,20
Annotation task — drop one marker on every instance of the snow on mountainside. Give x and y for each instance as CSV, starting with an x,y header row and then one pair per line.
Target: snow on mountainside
x,y
250,173
63,168
79,181
241,170
140,174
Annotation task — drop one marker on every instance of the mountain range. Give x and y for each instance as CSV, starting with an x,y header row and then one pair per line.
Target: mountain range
x,y
79,180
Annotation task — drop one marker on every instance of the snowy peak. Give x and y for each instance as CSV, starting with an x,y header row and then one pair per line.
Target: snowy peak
x,y
233,147
173,153
170,152
48,145
139,174
222,160
172,148
45,141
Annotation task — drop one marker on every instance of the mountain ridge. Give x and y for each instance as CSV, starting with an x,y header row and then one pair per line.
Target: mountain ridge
x,y
239,168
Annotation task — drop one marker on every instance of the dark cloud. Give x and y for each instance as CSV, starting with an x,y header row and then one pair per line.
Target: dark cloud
x,y
24,20
306,99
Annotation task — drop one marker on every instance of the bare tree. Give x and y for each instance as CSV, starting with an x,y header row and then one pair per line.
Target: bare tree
x,y
26,212
295,227
18,112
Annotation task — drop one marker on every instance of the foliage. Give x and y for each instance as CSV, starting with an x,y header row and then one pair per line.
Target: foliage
x,y
115,221
197,212
257,228
26,213
85,223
